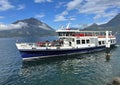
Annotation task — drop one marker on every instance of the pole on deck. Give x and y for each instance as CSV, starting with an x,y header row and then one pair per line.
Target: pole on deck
x,y
107,46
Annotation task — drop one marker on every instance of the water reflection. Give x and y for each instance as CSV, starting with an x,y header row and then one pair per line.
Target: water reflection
x,y
83,69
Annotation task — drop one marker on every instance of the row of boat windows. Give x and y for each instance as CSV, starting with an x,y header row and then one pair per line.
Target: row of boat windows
x,y
65,34
85,33
103,42
112,41
87,41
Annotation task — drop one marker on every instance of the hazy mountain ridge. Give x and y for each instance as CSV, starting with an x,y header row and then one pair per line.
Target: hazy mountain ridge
x,y
113,25
28,27
34,27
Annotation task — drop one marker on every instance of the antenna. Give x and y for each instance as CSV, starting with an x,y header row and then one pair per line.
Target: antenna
x,y
67,27
62,27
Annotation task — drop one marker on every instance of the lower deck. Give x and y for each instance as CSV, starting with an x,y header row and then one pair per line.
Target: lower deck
x,y
32,54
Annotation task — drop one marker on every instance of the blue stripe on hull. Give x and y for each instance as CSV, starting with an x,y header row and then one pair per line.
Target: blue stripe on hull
x,y
49,53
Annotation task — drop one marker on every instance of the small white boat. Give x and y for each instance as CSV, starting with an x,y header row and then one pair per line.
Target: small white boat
x,y
69,42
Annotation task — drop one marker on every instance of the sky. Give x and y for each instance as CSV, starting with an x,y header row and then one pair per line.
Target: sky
x,y
58,13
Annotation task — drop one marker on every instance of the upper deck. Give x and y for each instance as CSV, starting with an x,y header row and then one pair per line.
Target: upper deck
x,y
79,33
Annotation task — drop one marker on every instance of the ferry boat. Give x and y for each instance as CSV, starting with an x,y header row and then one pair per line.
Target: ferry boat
x,y
69,42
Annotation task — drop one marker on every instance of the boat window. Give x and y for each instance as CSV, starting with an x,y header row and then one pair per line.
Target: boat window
x,y
87,41
83,41
67,34
30,44
59,34
78,41
100,43
114,41
103,42
70,43
111,41
71,33
73,40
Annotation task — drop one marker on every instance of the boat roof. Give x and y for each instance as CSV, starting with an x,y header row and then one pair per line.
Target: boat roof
x,y
61,30
67,30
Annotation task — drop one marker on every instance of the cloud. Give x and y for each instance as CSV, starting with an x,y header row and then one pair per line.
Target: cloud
x,y
60,4
40,15
79,26
5,5
72,18
63,17
70,6
1,17
99,8
59,18
20,7
92,7
13,26
49,0
73,4
42,1
104,15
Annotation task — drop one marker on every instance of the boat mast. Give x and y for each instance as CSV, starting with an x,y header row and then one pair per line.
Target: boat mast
x,y
67,27
107,40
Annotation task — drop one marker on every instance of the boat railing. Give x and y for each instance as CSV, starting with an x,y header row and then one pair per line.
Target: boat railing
x,y
54,43
84,33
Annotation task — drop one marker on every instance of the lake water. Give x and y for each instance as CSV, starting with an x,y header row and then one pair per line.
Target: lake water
x,y
85,69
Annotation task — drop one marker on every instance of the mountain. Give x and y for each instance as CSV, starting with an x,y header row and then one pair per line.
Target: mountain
x,y
115,21
113,25
28,27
